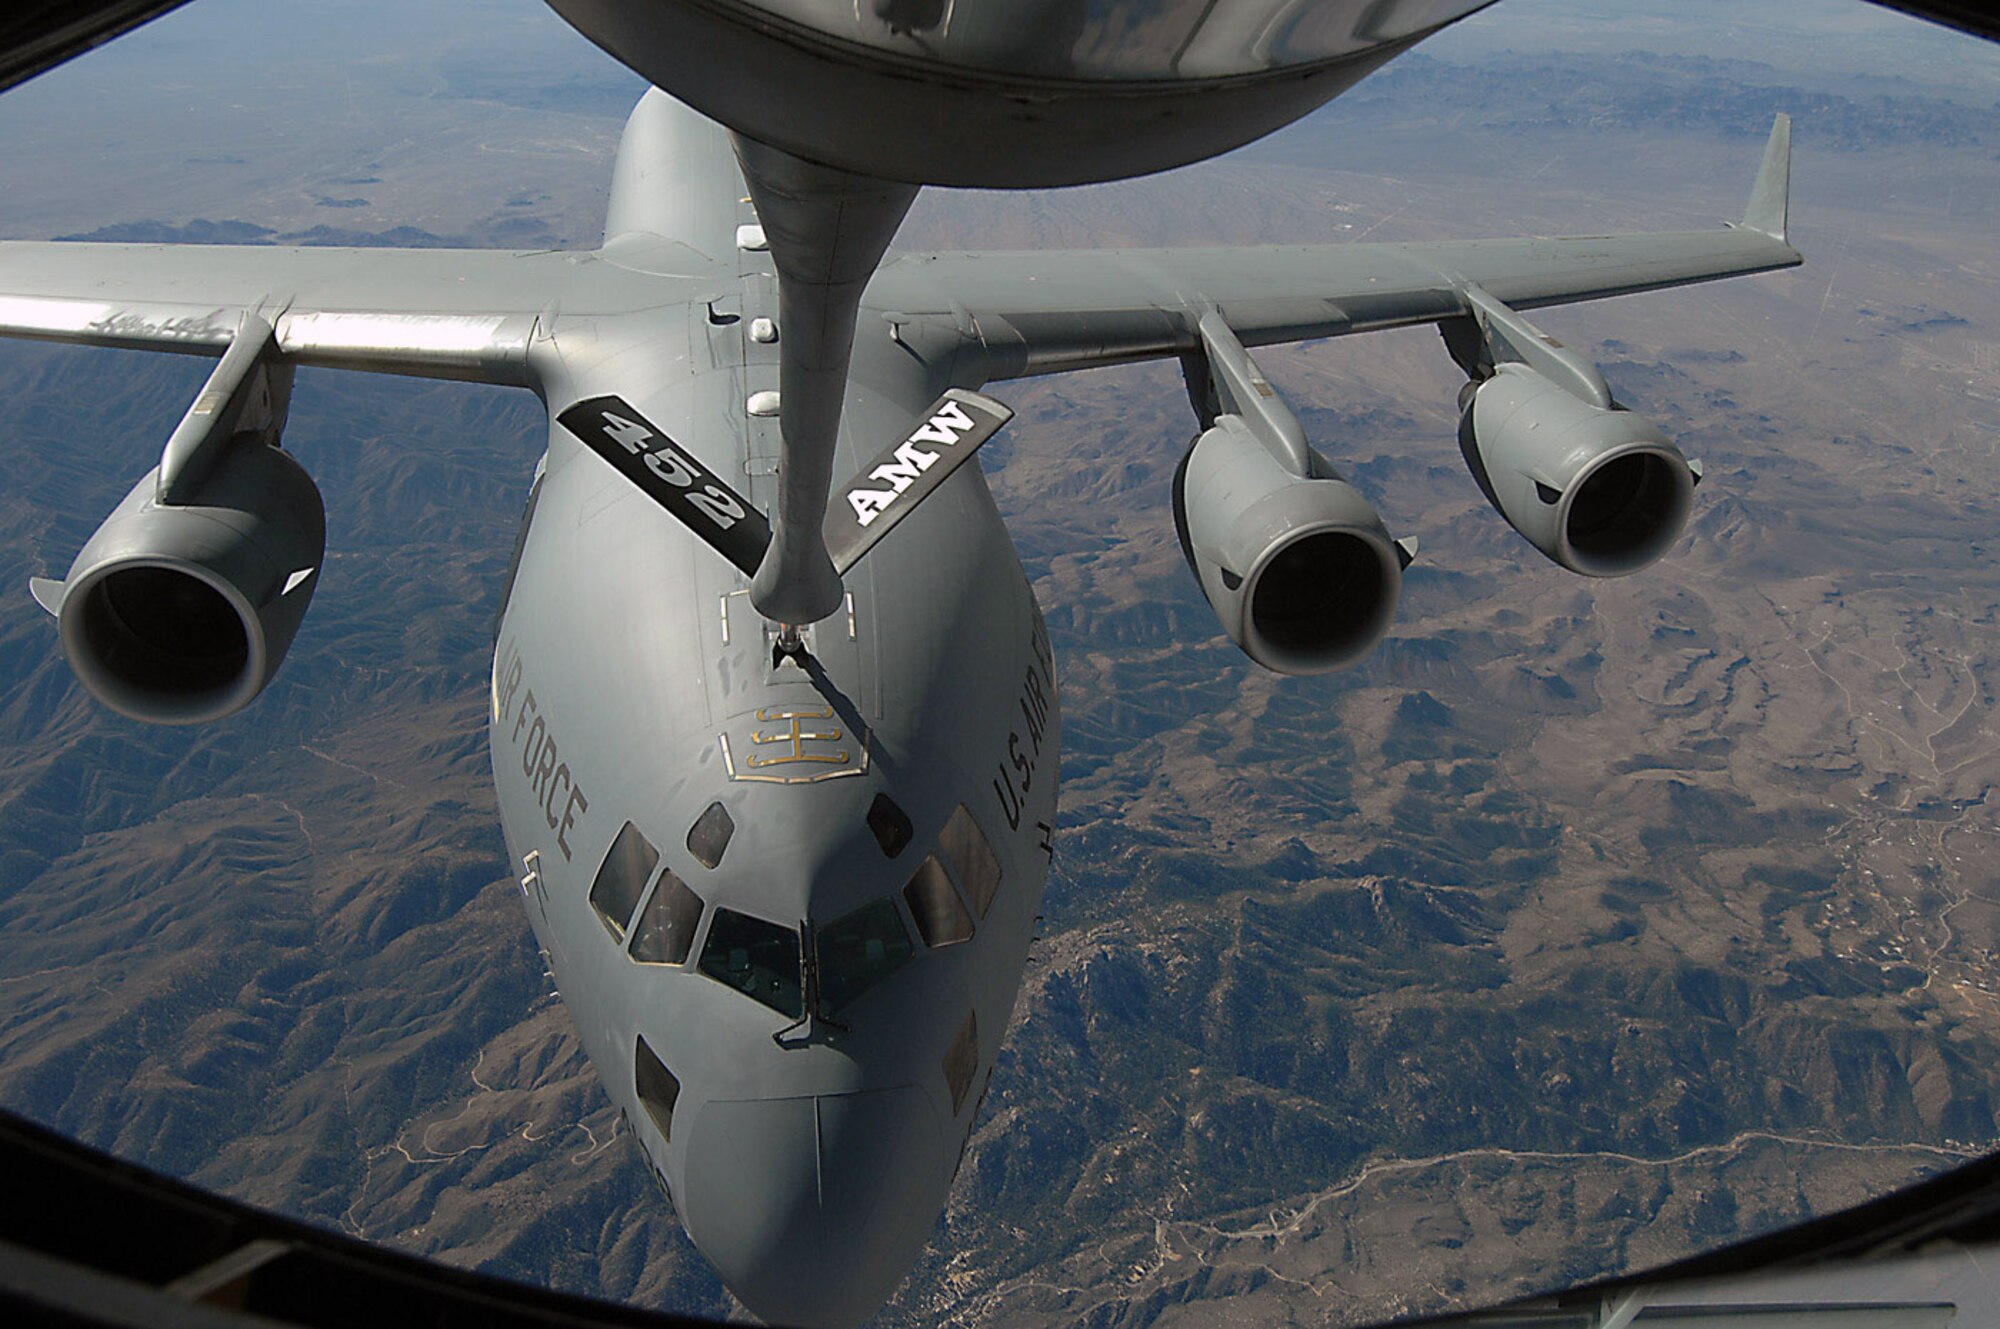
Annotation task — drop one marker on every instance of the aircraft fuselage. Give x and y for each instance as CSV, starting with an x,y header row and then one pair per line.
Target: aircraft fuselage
x,y
801,1054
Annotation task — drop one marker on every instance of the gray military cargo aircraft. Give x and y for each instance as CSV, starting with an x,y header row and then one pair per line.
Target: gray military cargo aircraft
x,y
782,802
221,547
787,873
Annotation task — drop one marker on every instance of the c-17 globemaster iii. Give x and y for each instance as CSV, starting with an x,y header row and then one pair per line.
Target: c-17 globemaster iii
x,y
777,760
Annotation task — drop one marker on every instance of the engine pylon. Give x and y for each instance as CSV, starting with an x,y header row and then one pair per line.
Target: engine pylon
x,y
1595,488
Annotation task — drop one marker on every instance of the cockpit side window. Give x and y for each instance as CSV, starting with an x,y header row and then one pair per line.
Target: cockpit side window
x,y
961,1060
622,879
964,846
709,836
890,824
941,919
658,1087
859,950
665,931
758,959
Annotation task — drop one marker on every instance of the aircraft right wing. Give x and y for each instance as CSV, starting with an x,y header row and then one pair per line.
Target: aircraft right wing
x,y
1299,567
1045,312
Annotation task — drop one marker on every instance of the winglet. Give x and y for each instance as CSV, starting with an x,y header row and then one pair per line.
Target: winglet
x,y
1769,197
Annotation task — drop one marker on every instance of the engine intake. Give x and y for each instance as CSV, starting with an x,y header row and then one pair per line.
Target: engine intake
x,y
181,613
1300,571
1601,492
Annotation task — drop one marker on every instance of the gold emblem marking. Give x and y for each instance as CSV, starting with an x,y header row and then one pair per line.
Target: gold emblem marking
x,y
795,736
811,767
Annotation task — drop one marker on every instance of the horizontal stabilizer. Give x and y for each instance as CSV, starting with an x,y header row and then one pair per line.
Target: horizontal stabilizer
x,y
1770,196
903,474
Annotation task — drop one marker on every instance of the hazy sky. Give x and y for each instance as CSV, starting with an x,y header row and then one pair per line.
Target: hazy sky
x,y
211,47
259,110
1806,35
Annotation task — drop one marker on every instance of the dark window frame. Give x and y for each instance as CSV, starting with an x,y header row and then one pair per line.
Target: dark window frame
x,y
666,880
627,834
792,996
937,929
840,999
960,1062
701,837
966,850
647,1068
890,825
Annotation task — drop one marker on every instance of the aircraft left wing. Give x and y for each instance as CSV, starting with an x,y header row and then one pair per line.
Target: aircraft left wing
x,y
1044,312
435,313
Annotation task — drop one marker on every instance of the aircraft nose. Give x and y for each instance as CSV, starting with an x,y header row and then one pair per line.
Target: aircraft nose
x,y
812,1209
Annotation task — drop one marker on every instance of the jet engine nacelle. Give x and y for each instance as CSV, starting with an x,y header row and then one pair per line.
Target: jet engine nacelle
x,y
1601,492
180,613
1300,571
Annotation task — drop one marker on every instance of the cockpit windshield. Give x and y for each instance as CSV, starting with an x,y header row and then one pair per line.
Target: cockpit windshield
x,y
664,933
859,950
757,958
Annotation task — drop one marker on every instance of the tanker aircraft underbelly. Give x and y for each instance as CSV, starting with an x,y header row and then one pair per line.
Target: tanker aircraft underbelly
x,y
776,758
